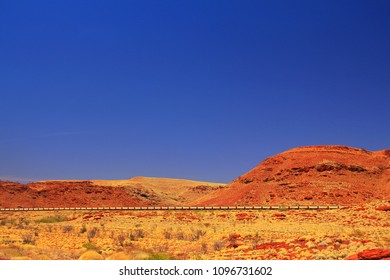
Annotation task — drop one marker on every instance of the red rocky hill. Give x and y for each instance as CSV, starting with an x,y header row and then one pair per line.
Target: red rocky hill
x,y
314,175
138,191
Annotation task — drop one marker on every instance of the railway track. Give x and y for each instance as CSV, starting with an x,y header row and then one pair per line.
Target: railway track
x,y
175,208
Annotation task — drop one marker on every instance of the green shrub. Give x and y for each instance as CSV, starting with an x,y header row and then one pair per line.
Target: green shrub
x,y
83,229
160,256
52,219
91,246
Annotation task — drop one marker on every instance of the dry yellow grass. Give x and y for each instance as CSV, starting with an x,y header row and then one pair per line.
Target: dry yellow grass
x,y
328,234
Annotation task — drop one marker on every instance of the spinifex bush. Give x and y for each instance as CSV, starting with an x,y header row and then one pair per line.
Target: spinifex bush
x,y
160,256
168,234
83,229
28,239
218,245
139,233
52,219
180,235
121,239
67,229
92,233
197,234
91,246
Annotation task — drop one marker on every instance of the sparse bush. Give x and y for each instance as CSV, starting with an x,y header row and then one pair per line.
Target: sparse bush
x,y
203,248
92,233
20,225
233,238
167,234
256,240
197,234
52,219
121,239
163,247
28,239
67,229
160,256
91,246
180,235
139,233
132,236
83,229
218,245
7,241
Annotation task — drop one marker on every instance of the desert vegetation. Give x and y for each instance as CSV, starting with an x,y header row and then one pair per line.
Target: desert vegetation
x,y
317,234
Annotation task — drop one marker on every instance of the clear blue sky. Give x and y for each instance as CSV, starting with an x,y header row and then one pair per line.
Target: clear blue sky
x,y
188,89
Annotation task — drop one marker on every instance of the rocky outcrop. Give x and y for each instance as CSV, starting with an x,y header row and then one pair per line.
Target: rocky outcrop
x,y
371,254
67,194
139,191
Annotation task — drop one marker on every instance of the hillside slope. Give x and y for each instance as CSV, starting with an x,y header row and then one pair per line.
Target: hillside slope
x,y
138,191
311,175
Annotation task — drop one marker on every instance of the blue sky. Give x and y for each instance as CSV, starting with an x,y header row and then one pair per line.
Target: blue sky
x,y
188,89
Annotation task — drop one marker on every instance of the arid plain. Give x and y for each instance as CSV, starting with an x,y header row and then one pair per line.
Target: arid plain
x,y
356,180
